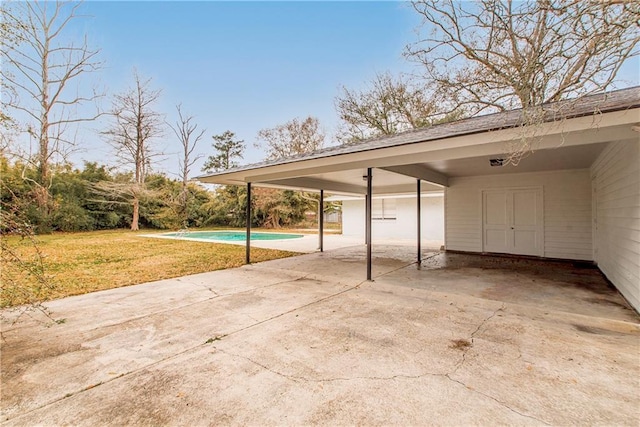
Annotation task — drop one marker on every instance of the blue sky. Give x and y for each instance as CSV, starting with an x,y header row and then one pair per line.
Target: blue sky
x,y
244,66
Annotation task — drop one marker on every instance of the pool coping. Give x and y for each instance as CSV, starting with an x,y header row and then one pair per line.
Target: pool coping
x,y
304,244
308,243
242,242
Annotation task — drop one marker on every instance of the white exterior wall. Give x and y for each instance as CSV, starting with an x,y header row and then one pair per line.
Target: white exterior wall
x,y
616,189
566,203
353,218
432,218
403,227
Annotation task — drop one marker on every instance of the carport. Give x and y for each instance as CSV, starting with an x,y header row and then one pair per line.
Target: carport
x,y
576,195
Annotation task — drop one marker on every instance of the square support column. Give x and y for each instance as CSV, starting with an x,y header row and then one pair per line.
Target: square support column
x,y
248,244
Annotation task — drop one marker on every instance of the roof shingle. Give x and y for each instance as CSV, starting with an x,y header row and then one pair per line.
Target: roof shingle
x,y
592,104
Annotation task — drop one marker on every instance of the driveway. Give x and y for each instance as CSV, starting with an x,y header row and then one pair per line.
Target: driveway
x,y
303,340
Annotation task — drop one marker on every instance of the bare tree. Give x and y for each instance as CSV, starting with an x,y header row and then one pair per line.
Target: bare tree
x,y
289,139
44,68
8,41
228,149
499,54
21,259
187,133
294,137
389,105
136,125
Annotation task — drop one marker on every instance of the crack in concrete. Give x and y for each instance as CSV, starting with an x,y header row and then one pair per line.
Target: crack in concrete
x,y
394,270
175,355
447,375
501,403
421,264
216,296
211,290
297,379
463,359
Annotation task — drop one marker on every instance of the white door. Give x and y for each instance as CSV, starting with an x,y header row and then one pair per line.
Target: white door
x,y
496,222
512,221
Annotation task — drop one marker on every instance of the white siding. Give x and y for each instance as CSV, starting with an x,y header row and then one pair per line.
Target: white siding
x,y
404,226
432,218
567,210
353,218
616,187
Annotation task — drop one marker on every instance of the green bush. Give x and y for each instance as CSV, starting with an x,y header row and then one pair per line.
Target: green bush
x,y
71,217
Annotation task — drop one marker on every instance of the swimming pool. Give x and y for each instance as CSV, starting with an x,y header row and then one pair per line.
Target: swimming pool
x,y
231,236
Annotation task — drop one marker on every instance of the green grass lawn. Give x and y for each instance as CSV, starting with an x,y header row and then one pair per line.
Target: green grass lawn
x,y
77,263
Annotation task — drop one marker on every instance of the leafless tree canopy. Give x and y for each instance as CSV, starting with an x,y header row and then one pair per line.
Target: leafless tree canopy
x,y
135,126
7,42
501,54
388,106
43,67
294,137
188,134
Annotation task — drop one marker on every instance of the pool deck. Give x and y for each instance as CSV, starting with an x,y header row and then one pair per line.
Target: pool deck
x,y
309,243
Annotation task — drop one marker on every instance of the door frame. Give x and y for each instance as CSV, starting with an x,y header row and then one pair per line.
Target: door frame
x,y
540,192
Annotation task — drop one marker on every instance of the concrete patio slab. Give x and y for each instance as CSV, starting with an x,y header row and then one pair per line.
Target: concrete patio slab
x,y
304,340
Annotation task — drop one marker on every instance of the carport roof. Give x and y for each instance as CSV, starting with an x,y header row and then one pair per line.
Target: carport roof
x,y
322,167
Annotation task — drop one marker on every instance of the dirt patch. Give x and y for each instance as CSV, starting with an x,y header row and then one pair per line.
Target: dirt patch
x,y
309,282
595,285
244,300
135,407
600,331
460,344
18,355
602,301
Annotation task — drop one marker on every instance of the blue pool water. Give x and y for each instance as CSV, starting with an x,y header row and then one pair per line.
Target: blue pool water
x,y
234,236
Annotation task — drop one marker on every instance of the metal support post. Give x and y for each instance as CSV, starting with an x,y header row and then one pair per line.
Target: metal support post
x,y
368,221
419,230
248,244
321,222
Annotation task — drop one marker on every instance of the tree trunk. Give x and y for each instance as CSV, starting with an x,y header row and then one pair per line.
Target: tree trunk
x,y
184,195
136,213
43,153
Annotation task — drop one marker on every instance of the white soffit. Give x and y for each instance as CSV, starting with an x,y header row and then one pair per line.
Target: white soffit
x,y
573,157
353,182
